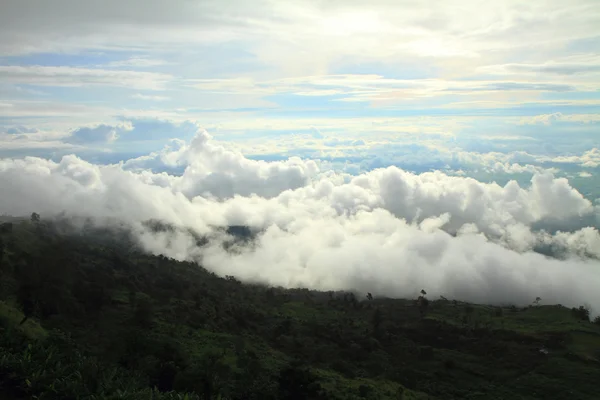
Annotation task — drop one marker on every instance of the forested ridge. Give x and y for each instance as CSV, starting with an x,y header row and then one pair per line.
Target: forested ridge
x,y
85,314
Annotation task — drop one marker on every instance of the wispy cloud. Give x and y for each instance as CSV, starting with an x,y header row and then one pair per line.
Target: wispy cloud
x,y
82,77
140,96
137,62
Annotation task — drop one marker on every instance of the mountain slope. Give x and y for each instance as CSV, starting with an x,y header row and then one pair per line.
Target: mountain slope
x,y
106,320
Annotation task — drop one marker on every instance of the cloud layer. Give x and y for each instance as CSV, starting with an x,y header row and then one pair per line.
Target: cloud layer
x,y
386,231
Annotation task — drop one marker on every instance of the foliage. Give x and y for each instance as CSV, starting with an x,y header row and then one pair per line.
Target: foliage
x,y
86,315
582,313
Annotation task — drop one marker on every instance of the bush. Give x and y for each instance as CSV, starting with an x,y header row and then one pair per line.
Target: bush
x,y
581,313
365,391
449,364
426,353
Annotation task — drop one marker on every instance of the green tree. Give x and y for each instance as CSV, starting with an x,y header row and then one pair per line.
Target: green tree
x,y
143,313
376,321
422,303
297,382
26,297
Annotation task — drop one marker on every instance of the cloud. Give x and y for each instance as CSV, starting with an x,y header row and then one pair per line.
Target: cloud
x,y
335,56
132,130
137,62
211,170
375,252
387,231
371,87
590,158
20,129
99,134
572,65
82,77
548,119
544,119
146,129
140,96
379,30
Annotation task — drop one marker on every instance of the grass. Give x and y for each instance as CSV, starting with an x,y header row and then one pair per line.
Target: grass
x,y
10,318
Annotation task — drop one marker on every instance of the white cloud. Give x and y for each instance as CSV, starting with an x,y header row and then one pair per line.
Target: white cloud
x,y
374,28
370,87
81,77
140,96
211,170
383,231
548,119
98,134
590,158
571,65
457,56
137,62
20,129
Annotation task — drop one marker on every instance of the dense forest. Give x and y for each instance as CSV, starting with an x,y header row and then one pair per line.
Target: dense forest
x,y
85,314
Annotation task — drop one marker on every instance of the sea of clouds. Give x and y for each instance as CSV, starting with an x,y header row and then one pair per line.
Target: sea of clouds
x,y
386,231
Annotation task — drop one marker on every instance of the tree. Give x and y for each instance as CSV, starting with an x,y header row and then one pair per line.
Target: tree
x,y
422,303
1,251
298,383
143,313
27,300
6,227
365,391
582,313
377,320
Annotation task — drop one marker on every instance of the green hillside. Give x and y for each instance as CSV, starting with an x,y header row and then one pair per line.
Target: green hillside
x,y
85,315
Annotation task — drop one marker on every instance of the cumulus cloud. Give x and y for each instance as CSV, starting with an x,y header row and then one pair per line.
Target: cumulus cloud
x,y
212,170
590,158
386,231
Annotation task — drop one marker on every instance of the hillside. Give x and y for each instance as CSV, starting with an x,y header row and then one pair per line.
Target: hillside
x,y
86,315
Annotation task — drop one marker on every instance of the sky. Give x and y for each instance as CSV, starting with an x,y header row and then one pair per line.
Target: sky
x,y
370,144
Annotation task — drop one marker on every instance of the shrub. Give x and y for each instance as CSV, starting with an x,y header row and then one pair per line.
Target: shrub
x,y
365,391
449,364
581,313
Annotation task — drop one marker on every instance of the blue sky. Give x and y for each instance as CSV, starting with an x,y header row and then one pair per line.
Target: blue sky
x,y
118,80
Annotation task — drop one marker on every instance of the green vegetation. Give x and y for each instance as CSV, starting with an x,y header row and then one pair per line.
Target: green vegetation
x,y
85,315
